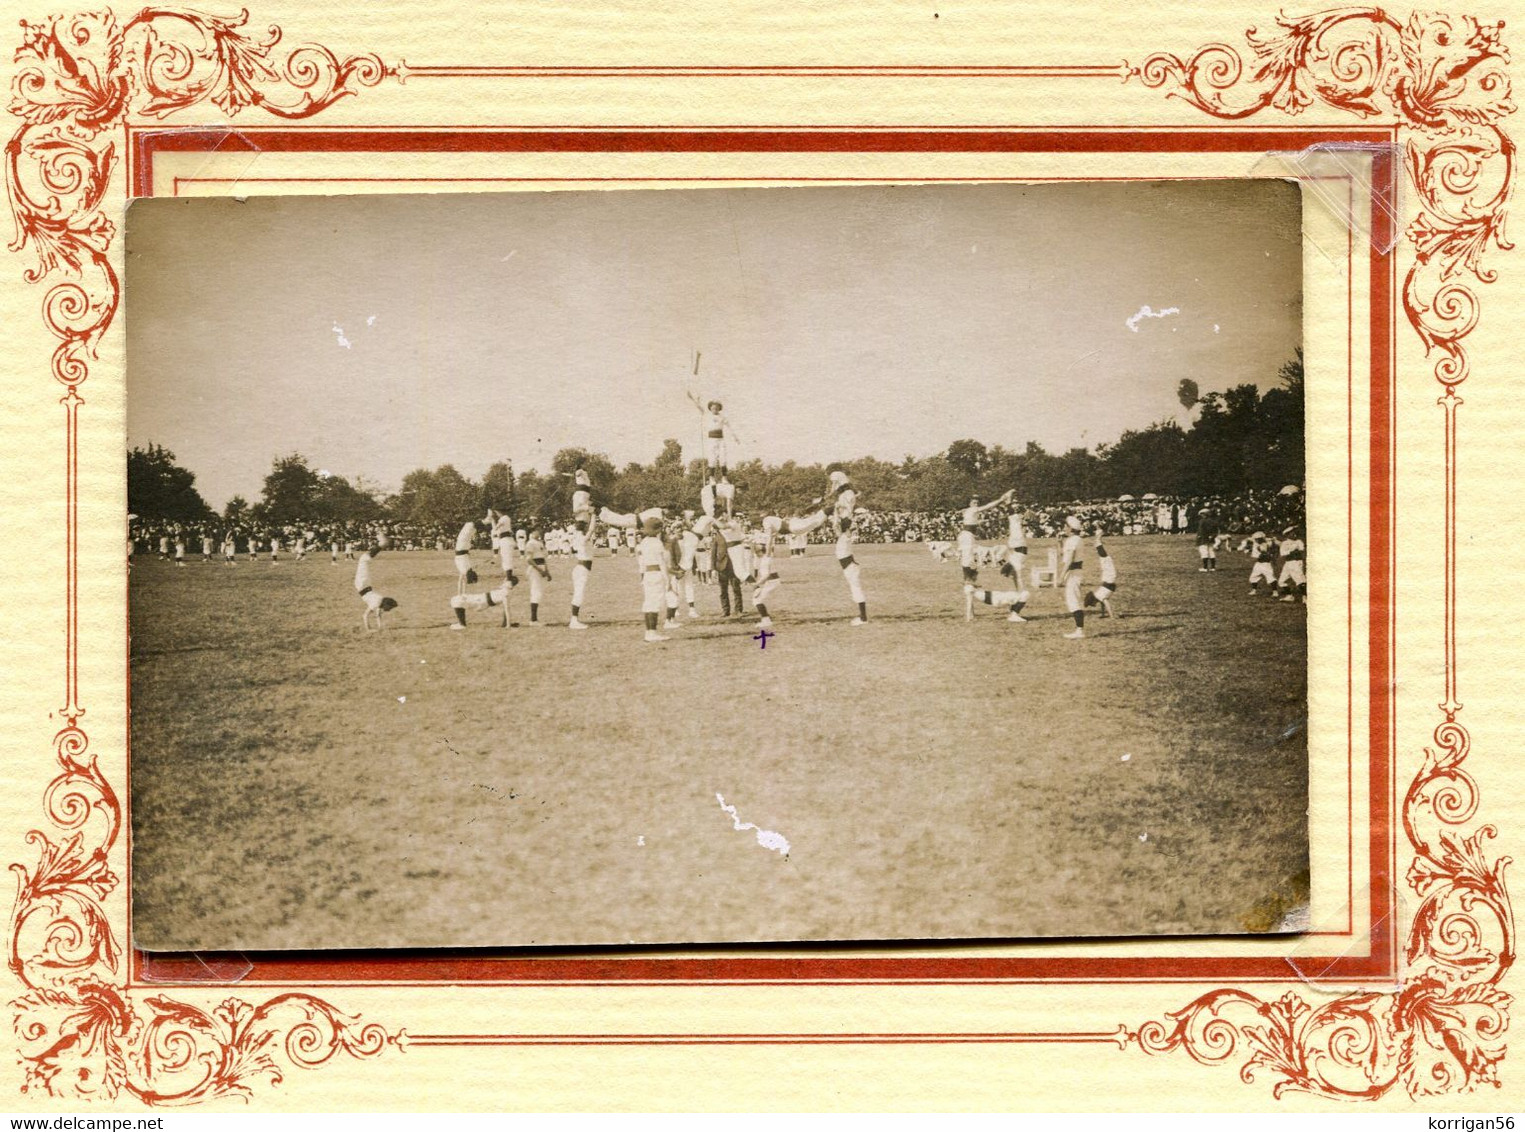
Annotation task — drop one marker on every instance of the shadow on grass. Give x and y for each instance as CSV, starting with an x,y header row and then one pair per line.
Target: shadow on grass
x,y
706,628
1112,631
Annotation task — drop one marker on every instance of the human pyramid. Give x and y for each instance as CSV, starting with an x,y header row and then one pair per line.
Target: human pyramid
x,y
667,551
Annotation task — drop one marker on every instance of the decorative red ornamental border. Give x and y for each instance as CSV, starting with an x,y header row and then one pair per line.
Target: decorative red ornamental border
x,y
83,1029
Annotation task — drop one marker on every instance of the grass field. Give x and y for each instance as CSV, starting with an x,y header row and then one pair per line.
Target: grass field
x,y
297,782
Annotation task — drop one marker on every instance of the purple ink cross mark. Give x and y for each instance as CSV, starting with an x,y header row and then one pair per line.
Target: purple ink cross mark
x,y
763,637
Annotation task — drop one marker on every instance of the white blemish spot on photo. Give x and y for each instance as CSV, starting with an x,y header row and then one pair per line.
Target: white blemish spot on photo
x,y
402,699
339,332
641,840
371,321
1149,312
1127,757
765,837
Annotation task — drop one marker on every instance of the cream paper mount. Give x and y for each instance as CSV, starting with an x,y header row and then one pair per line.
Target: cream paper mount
x,y
85,89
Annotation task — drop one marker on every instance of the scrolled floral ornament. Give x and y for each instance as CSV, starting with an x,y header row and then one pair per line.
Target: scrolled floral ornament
x,y
1336,1049
1443,80
91,1044
79,80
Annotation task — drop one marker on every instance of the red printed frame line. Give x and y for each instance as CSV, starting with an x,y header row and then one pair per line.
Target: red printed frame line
x,y
88,1027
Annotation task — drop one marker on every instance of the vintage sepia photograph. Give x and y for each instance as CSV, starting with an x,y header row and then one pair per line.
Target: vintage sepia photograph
x,y
717,566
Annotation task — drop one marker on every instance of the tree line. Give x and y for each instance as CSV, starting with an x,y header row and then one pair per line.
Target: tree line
x,y
1241,439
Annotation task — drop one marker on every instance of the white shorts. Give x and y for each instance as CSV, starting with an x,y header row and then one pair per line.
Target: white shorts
x,y
714,449
462,563
372,599
765,589
1291,572
653,591
1204,550
1263,573
966,551
1073,584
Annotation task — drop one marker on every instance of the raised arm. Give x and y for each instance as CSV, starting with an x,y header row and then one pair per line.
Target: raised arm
x,y
999,501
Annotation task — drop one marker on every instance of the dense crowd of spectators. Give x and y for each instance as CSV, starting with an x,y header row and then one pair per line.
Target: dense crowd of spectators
x,y
1237,514
248,538
189,540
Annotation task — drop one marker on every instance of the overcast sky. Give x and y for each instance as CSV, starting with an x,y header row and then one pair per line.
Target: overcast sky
x,y
380,334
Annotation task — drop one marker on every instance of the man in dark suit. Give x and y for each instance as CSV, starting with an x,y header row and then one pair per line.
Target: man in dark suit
x,y
725,574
